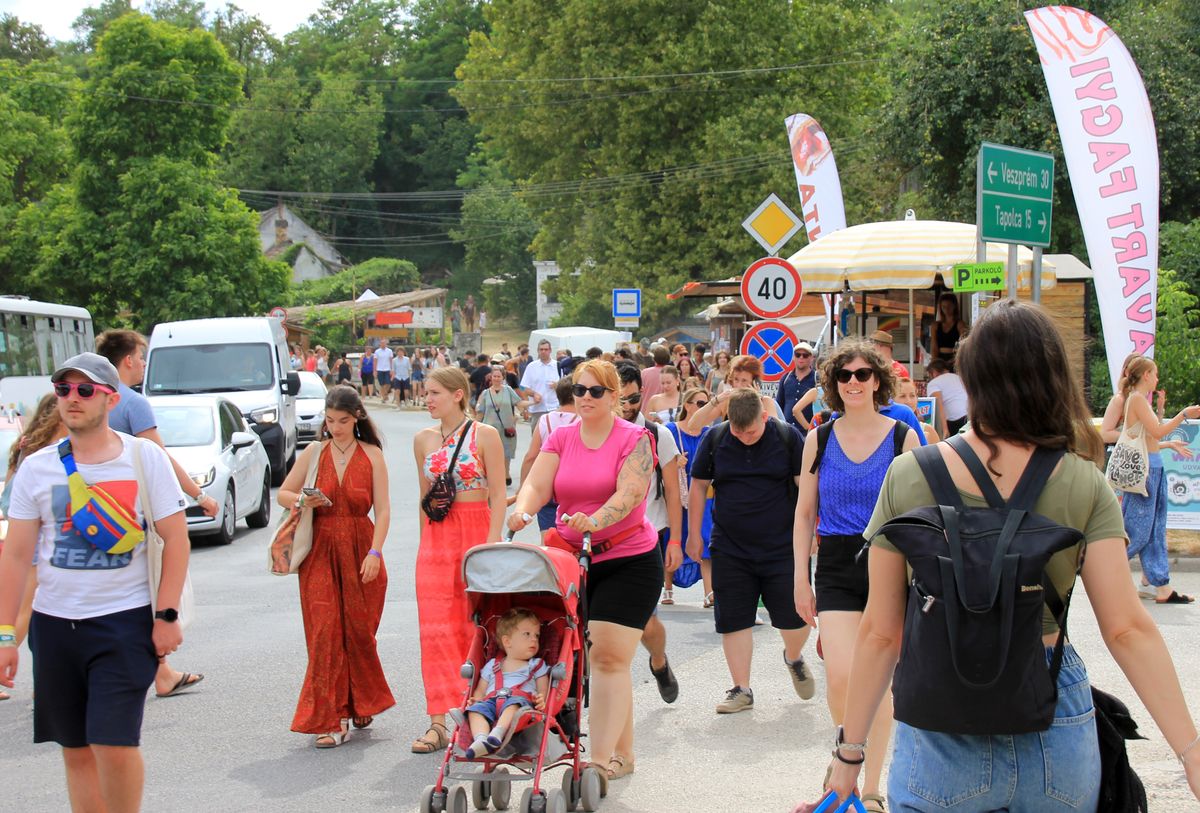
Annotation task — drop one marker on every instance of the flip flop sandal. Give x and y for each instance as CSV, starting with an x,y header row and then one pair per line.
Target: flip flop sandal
x,y
363,722
668,597
441,740
1175,598
708,601
185,682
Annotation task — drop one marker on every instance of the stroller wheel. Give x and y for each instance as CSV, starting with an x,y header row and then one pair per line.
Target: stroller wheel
x,y
458,800
570,789
481,793
501,791
432,801
526,803
556,802
591,789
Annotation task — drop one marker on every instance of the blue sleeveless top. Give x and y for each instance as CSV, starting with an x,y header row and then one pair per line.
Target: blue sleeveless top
x,y
846,490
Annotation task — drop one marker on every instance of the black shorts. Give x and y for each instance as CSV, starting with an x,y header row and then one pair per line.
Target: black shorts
x,y
739,583
841,581
90,677
625,590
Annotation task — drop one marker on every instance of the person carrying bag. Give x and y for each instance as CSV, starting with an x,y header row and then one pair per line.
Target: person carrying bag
x,y
994,526
293,534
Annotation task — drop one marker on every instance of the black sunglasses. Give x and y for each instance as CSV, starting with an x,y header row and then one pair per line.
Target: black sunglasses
x,y
862,374
85,389
631,399
596,391
699,404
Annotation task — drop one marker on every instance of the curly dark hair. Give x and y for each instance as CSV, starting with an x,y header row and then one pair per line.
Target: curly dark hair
x,y
1020,387
843,354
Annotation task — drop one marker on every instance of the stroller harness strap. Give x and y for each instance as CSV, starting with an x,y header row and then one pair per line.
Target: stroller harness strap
x,y
500,691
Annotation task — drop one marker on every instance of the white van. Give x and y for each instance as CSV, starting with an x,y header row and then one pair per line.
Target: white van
x,y
243,359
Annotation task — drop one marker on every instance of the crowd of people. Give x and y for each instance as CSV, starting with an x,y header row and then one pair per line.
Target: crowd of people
x,y
786,501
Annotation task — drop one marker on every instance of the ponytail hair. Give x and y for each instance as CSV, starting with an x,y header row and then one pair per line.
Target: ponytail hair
x,y
345,398
1135,368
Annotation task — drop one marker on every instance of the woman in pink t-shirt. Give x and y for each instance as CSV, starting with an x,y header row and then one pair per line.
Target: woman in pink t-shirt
x,y
599,470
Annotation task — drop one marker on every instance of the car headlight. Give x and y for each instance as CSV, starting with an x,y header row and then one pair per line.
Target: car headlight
x,y
318,419
265,415
206,479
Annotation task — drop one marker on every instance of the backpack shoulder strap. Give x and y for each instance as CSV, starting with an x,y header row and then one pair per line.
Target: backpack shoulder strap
x,y
716,435
823,433
899,435
978,471
1033,479
937,475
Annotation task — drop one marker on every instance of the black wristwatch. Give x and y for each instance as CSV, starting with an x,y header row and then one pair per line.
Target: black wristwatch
x,y
169,615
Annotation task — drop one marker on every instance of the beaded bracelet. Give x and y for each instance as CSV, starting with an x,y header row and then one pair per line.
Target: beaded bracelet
x,y
1180,757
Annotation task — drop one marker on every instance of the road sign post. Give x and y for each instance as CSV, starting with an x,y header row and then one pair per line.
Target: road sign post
x,y
772,224
773,344
1014,202
771,288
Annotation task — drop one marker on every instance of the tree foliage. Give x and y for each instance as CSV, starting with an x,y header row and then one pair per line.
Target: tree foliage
x,y
21,42
1178,337
381,274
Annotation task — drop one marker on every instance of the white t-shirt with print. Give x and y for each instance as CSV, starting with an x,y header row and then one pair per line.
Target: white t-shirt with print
x,y
668,450
75,579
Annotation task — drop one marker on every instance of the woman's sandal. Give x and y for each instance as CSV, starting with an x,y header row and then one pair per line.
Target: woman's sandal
x,y
363,722
334,738
619,766
1175,598
441,738
872,803
708,601
668,597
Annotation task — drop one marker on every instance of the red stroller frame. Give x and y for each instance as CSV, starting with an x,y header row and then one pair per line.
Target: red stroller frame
x,y
553,584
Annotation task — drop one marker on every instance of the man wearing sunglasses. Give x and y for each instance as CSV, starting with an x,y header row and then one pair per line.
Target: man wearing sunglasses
x,y
97,639
799,380
664,510
133,415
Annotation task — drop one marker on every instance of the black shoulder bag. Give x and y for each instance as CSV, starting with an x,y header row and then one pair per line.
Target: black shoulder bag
x,y
440,496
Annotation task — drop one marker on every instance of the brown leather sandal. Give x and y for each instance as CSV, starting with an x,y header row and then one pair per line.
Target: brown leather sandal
x,y
441,738
872,803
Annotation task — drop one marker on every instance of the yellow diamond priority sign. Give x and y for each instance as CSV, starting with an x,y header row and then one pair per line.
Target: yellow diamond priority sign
x,y
772,224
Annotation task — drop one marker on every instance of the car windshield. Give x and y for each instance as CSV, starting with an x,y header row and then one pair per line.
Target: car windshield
x,y
209,368
311,387
185,425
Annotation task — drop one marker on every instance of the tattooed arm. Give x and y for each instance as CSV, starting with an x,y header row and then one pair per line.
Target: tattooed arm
x,y
633,481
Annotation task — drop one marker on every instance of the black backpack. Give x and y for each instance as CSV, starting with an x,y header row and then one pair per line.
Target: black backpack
x,y
972,659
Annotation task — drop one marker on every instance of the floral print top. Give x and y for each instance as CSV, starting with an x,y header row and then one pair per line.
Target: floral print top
x,y
469,473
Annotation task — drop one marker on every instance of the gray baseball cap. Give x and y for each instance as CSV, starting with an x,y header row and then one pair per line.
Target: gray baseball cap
x,y
96,367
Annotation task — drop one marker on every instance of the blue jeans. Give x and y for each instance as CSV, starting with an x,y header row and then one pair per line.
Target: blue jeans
x,y
1053,770
1146,524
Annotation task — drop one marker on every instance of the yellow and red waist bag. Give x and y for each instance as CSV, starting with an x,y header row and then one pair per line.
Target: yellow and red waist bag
x,y
96,515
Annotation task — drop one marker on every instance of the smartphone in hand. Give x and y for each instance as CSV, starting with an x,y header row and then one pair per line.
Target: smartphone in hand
x,y
315,496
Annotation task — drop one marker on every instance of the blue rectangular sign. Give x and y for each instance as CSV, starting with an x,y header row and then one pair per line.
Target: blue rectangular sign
x,y
1183,478
627,303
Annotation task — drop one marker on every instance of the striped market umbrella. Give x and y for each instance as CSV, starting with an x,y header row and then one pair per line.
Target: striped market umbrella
x,y
899,254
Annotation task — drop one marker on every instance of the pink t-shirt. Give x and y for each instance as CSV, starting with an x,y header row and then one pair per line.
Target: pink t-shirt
x,y
587,479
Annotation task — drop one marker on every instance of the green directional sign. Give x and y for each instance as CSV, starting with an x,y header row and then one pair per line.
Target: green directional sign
x,y
978,277
1015,195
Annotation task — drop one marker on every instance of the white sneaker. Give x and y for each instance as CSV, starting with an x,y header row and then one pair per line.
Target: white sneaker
x,y
758,619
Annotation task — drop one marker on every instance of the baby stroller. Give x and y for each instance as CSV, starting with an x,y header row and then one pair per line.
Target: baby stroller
x,y
552,583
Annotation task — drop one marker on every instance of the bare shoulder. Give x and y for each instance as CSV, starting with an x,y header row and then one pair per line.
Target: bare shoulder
x,y
423,440
374,453
486,432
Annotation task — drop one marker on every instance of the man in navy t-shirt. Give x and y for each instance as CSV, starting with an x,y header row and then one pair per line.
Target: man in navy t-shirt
x,y
754,465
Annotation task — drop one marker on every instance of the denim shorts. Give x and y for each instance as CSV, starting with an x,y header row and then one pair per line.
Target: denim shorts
x,y
487,708
1053,770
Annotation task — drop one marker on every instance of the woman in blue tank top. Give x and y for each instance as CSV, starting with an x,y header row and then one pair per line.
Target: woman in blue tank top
x,y
838,490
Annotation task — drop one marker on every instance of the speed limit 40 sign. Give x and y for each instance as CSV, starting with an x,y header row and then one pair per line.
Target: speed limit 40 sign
x,y
771,288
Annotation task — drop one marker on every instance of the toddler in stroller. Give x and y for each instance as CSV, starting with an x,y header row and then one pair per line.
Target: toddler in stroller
x,y
512,681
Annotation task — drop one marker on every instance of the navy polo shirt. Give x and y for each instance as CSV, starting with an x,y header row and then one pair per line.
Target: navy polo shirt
x,y
754,508
791,390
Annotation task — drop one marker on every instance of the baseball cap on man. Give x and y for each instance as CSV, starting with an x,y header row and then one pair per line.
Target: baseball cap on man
x,y
498,358
803,347
93,365
882,337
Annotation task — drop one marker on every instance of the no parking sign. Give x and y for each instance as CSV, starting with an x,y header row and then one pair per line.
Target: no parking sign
x,y
774,344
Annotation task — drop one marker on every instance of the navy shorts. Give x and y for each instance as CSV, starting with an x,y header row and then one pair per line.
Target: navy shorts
x,y
384,378
90,677
738,585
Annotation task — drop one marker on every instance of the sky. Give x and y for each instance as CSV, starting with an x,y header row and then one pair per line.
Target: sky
x,y
55,16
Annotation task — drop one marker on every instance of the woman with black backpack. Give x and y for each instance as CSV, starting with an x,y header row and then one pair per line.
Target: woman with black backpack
x,y
993,706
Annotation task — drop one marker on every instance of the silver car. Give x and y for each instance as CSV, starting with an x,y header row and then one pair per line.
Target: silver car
x,y
208,437
310,408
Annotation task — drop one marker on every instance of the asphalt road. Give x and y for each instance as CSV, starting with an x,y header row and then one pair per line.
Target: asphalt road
x,y
226,746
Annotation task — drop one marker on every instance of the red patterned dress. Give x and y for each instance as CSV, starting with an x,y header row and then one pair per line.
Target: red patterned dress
x,y
341,614
442,610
